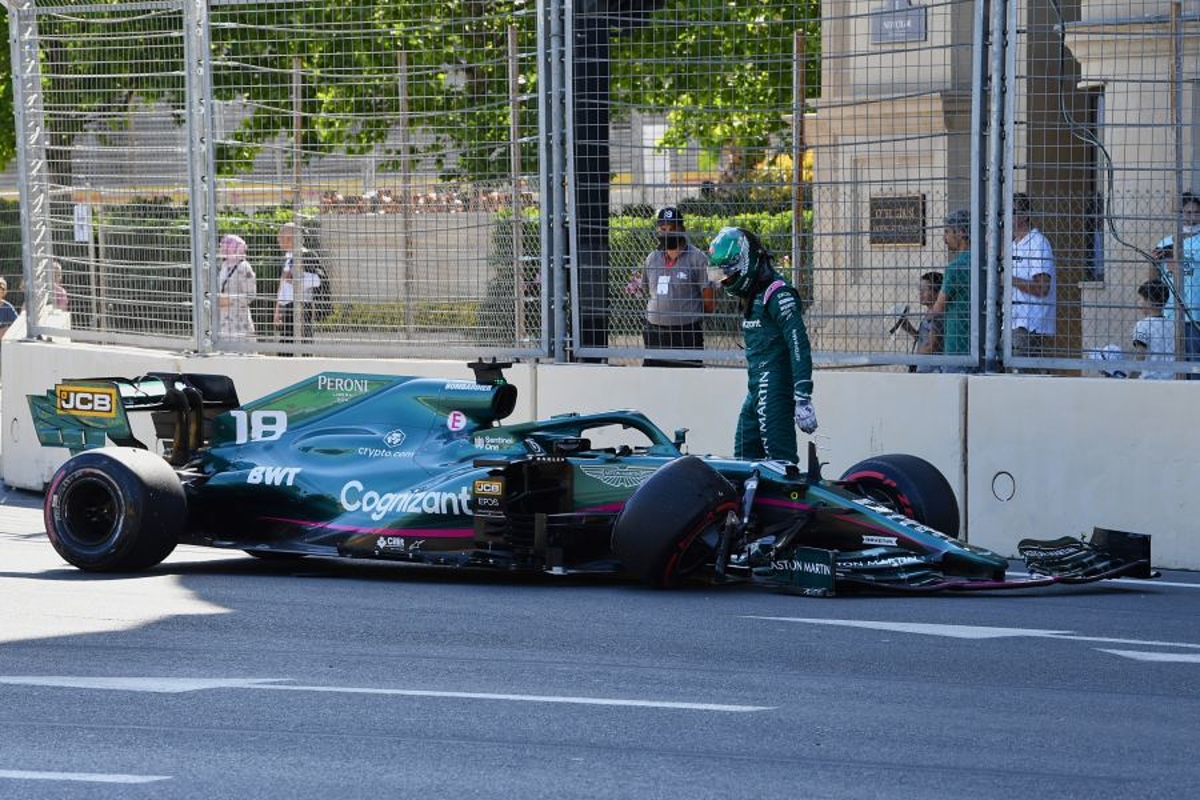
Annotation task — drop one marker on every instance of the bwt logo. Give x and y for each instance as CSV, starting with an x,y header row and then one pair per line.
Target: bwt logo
x,y
89,401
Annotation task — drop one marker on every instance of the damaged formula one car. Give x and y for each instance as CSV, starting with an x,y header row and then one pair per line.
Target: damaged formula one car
x,y
423,471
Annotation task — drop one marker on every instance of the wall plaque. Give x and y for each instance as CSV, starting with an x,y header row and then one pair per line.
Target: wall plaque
x,y
898,21
898,220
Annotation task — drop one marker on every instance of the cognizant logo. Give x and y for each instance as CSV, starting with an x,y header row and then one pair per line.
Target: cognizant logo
x,y
355,497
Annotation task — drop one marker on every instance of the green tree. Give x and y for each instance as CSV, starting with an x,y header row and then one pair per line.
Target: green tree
x,y
455,69
457,73
721,72
8,125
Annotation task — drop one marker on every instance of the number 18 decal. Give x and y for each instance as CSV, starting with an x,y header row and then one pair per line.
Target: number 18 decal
x,y
258,426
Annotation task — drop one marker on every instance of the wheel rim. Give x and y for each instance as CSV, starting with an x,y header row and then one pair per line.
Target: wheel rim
x,y
697,550
90,513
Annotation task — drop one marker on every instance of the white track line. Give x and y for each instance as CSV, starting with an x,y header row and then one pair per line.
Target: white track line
x,y
79,777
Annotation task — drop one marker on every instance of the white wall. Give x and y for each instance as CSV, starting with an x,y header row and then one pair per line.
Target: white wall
x,y
1084,453
1081,453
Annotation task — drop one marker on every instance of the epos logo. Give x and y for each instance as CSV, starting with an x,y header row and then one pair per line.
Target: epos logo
x,y
86,401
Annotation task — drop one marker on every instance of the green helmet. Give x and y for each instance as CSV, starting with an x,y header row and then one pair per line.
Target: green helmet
x,y
735,260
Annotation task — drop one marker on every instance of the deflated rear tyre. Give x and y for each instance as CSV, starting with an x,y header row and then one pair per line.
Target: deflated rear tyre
x,y
909,485
115,510
667,531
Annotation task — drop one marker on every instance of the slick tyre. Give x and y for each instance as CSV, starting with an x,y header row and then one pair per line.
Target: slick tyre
x,y
668,530
909,485
115,510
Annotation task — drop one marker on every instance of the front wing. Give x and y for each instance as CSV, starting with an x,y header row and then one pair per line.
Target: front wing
x,y
816,572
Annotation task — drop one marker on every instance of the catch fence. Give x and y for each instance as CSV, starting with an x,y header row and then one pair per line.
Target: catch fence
x,y
482,178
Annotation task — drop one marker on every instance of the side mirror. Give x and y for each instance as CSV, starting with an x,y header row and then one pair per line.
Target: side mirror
x,y
680,437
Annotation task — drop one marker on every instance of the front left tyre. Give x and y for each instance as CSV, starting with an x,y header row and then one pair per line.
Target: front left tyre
x,y
115,509
669,528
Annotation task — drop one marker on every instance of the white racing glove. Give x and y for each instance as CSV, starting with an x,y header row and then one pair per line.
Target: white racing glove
x,y
806,415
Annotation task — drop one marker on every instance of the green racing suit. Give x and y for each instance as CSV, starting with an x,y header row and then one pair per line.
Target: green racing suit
x,y
779,366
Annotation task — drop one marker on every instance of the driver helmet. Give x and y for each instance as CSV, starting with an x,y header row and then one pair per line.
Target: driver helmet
x,y
736,259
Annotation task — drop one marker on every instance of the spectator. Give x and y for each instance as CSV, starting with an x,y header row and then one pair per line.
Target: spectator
x,y
927,334
238,288
61,301
1164,255
285,316
1034,284
1189,212
778,357
954,298
1154,334
8,314
675,279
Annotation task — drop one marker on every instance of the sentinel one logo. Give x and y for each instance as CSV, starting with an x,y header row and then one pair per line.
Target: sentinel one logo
x,y
86,401
355,497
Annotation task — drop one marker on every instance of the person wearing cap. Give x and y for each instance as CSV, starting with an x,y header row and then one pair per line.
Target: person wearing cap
x,y
674,279
953,301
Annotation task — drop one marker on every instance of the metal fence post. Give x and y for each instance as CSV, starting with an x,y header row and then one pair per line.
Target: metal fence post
x,y
514,135
999,175
197,49
556,260
32,179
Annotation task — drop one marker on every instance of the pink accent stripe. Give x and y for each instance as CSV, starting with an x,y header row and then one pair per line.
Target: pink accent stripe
x,y
433,533
770,501
601,507
863,523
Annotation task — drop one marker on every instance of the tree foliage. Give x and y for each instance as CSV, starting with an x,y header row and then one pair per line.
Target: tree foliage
x,y
720,71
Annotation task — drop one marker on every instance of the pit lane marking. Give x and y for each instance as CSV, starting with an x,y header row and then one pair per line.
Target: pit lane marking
x,y
179,685
80,777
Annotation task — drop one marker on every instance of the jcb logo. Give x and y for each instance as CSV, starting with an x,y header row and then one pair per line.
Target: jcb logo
x,y
86,401
486,487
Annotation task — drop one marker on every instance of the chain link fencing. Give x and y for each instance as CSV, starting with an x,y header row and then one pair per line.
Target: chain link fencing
x,y
484,178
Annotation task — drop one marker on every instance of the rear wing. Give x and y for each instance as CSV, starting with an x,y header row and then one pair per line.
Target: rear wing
x,y
87,413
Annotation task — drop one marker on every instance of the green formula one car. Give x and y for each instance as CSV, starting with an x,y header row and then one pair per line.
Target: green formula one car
x,y
425,471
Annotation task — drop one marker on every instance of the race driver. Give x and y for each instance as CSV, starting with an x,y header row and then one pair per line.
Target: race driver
x,y
778,357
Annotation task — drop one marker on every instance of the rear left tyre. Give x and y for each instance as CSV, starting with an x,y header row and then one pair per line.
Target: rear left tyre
x,y
115,510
